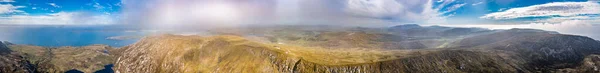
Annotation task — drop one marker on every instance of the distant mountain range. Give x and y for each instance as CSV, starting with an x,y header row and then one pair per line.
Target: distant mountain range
x,y
319,49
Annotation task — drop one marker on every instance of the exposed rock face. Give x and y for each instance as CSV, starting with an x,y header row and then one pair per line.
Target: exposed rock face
x,y
3,48
433,49
516,50
171,53
13,63
56,60
537,50
452,61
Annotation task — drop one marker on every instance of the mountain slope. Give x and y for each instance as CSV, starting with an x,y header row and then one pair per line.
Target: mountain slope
x,y
538,50
56,60
516,50
172,53
416,30
3,48
13,63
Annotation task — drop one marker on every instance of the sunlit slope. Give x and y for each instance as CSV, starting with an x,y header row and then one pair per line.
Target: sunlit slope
x,y
232,54
514,50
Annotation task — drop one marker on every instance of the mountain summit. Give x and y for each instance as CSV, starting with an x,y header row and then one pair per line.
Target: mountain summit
x,y
516,50
418,49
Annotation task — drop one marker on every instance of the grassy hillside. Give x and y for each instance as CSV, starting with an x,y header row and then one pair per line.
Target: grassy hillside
x,y
172,53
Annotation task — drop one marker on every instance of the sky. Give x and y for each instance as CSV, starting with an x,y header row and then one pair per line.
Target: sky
x,y
579,17
60,12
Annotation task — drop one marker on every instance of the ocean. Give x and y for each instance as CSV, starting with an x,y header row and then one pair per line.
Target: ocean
x,y
56,36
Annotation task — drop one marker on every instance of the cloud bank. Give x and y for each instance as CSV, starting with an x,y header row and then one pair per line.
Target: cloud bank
x,y
578,18
7,1
8,9
216,13
556,9
30,15
60,18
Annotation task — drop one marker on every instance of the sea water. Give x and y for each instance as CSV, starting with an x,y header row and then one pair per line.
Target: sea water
x,y
56,36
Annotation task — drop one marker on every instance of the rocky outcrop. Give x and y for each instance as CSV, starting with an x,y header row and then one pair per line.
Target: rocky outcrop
x,y
13,63
482,51
537,50
171,53
546,52
4,49
57,60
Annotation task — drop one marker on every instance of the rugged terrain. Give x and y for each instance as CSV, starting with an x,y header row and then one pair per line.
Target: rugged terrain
x,y
334,51
26,58
323,49
11,62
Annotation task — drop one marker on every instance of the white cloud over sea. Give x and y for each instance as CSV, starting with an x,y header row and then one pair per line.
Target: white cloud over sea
x,y
60,18
578,18
556,9
55,13
9,9
7,1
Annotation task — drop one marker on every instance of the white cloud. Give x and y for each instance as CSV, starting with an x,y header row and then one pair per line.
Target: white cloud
x,y
376,8
98,6
587,28
576,27
403,10
8,8
554,20
475,4
226,13
61,18
53,5
550,9
453,8
183,13
578,18
7,1
501,9
439,1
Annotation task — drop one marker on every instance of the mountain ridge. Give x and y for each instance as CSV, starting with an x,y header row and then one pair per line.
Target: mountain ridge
x,y
32,59
280,59
406,49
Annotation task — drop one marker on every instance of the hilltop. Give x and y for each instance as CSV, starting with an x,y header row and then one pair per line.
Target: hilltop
x,y
527,51
322,49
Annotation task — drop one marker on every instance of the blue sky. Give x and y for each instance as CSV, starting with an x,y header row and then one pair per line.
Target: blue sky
x,y
59,12
384,11
40,7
